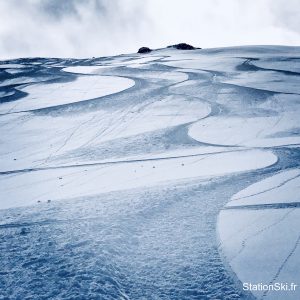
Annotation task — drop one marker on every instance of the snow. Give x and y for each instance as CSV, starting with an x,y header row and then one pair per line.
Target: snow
x,y
82,89
5,94
204,63
113,172
272,124
261,247
268,80
62,183
56,136
139,61
281,64
12,66
244,232
84,69
22,80
279,188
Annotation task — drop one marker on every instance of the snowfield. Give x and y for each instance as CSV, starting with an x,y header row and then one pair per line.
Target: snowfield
x,y
41,96
168,175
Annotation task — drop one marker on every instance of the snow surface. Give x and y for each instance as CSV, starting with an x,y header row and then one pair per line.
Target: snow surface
x,y
171,175
261,246
69,182
279,188
54,94
85,69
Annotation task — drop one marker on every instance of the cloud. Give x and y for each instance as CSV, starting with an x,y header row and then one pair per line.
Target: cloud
x,y
287,14
212,23
69,28
77,28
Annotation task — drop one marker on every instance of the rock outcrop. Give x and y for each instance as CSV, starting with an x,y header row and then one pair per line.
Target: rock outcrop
x,y
144,50
183,46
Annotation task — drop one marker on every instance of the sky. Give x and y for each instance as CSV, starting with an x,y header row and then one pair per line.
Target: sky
x,y
86,28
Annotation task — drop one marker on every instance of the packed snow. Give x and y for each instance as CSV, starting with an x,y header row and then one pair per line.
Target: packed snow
x,y
69,182
41,96
169,175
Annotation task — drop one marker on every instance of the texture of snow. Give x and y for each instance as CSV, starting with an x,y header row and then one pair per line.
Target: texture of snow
x,y
268,80
56,136
203,62
261,246
134,244
5,94
281,64
246,235
113,172
85,69
279,188
274,128
13,66
21,80
82,89
62,183
138,62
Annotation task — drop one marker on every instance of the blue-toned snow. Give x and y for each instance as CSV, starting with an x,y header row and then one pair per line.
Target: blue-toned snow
x,y
115,174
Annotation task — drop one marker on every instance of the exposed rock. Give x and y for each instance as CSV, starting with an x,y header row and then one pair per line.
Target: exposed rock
x,y
24,231
144,50
183,46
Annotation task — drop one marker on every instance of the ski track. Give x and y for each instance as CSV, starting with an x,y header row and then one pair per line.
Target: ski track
x,y
175,239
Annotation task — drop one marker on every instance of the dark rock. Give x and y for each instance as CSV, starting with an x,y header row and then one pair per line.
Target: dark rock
x,y
144,50
24,231
183,46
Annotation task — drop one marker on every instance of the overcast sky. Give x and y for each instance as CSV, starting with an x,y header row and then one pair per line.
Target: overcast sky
x,y
85,28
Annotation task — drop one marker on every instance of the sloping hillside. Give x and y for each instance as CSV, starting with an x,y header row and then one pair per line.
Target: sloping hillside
x,y
167,175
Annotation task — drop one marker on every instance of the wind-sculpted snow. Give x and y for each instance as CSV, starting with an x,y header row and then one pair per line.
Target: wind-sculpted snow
x,y
54,94
279,188
171,175
74,181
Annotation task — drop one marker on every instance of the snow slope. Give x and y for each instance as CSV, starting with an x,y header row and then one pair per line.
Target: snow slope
x,y
171,175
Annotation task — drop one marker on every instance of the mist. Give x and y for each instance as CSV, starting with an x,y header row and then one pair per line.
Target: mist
x,y
75,28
